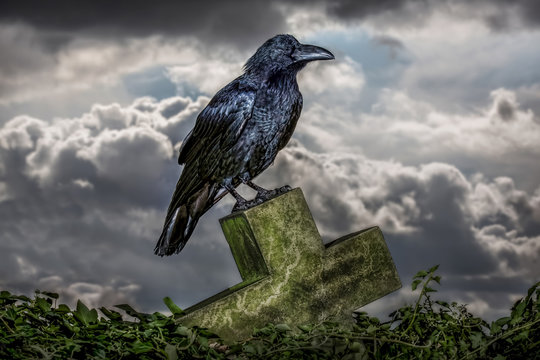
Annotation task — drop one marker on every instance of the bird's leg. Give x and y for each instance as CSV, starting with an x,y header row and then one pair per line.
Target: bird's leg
x,y
263,194
241,203
260,190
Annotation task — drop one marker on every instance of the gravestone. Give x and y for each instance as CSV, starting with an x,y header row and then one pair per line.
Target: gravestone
x,y
289,275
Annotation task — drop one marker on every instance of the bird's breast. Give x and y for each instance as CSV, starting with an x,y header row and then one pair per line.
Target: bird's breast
x,y
274,117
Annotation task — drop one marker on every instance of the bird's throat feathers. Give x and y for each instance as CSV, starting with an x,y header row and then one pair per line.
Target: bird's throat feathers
x,y
282,77
282,82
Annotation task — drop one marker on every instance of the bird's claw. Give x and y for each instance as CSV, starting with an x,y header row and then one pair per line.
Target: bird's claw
x,y
284,189
261,197
239,206
270,194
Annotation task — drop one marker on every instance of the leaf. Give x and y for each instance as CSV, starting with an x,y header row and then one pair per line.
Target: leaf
x,y
134,313
421,274
517,312
63,308
339,347
84,315
357,347
532,289
476,339
50,294
111,314
206,333
235,349
495,328
503,321
523,335
7,298
203,341
418,329
140,347
442,303
305,328
415,283
267,330
171,352
249,349
184,331
433,269
283,327
22,297
43,304
175,309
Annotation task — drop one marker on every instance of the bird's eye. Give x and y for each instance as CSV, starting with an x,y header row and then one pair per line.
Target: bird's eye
x,y
293,49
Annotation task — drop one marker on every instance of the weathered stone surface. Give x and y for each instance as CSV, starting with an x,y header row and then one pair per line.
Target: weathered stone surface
x,y
289,275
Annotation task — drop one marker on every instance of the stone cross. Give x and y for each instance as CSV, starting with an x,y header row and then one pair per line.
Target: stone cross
x,y
289,275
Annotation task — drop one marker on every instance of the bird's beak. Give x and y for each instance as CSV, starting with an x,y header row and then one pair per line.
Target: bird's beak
x,y
311,52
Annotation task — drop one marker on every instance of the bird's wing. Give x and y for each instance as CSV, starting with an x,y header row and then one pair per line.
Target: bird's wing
x,y
216,130
220,124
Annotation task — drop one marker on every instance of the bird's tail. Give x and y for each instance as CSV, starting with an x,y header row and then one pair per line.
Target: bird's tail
x,y
184,212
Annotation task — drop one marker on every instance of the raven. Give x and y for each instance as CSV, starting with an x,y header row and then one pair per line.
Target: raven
x,y
237,136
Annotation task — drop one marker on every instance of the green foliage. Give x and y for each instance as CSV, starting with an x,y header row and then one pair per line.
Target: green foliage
x,y
36,328
429,329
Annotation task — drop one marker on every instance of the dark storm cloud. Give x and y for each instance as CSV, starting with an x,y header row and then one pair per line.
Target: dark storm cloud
x,y
91,43
505,106
528,12
351,9
81,202
242,20
498,14
506,110
429,214
96,42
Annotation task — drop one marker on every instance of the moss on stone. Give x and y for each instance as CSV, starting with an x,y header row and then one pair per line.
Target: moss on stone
x,y
289,276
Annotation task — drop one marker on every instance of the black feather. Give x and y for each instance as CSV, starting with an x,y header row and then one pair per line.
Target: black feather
x,y
238,134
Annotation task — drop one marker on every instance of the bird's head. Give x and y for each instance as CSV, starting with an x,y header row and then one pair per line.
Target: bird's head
x,y
284,53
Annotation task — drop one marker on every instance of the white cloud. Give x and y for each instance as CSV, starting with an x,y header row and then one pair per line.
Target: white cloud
x,y
110,142
206,75
344,76
84,200
89,195
91,294
30,70
454,72
25,267
404,198
482,230
499,138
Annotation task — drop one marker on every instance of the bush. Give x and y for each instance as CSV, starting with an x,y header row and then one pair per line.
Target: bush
x,y
429,329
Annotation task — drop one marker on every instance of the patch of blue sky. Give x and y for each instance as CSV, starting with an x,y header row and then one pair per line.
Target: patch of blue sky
x,y
151,82
383,62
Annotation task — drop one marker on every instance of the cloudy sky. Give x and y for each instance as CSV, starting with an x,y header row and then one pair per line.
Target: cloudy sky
x,y
426,124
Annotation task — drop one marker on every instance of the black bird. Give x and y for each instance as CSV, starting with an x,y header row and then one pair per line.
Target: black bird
x,y
237,136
